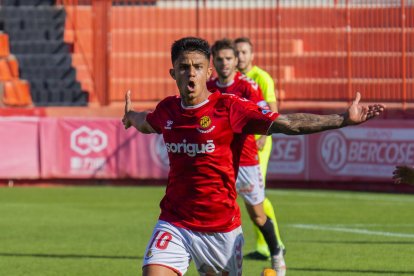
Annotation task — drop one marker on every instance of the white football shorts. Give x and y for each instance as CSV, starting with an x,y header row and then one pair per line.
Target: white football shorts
x,y
175,247
249,184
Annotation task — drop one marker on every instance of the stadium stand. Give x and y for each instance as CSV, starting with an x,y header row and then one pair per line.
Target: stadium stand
x,y
316,51
36,32
13,90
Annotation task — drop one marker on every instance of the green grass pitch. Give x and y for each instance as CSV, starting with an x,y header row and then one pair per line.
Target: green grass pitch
x,y
104,231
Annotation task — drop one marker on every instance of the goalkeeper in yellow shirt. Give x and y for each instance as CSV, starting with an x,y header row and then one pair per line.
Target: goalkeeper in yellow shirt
x,y
264,143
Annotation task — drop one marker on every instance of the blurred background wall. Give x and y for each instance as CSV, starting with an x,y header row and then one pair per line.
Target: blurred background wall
x,y
315,50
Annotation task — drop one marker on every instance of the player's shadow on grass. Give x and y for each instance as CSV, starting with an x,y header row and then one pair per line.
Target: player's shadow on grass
x,y
68,256
356,271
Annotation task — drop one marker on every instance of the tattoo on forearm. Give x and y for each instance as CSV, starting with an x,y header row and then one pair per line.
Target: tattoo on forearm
x,y
304,123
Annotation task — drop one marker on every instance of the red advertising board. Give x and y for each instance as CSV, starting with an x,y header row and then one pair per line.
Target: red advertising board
x,y
19,148
141,155
79,148
365,152
369,151
288,159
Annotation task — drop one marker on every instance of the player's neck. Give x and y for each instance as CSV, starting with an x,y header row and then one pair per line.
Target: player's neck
x,y
247,69
192,102
226,80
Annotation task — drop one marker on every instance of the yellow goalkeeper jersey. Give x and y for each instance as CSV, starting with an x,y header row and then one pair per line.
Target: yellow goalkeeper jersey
x,y
265,82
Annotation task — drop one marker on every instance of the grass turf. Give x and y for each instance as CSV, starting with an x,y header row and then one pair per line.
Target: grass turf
x,y
104,231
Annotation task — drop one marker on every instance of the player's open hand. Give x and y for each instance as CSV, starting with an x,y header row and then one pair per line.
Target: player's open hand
x,y
128,107
260,143
403,174
358,113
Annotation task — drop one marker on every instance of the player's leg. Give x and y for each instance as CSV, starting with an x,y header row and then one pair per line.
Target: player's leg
x,y
262,251
250,187
166,252
158,270
269,211
265,225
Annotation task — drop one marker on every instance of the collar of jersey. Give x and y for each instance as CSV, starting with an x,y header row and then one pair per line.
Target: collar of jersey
x,y
214,95
224,84
194,106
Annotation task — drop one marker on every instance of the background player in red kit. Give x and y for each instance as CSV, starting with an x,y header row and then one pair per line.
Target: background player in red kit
x,y
250,183
200,219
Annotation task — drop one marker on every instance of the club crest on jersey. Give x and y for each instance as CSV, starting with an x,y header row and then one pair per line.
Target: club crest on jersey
x,y
205,123
264,111
168,124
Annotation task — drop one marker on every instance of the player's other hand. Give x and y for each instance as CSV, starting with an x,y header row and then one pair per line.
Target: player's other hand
x,y
128,107
403,174
260,143
358,113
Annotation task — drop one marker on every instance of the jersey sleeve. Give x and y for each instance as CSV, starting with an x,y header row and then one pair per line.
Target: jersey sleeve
x,y
246,117
154,118
254,94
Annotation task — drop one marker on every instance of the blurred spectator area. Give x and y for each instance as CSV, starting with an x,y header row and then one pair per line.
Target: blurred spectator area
x,y
35,30
317,51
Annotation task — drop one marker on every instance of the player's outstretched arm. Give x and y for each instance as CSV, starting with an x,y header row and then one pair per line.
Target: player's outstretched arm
x,y
135,119
305,123
403,174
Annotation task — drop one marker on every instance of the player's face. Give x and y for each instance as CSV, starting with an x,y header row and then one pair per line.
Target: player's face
x,y
225,63
245,55
191,72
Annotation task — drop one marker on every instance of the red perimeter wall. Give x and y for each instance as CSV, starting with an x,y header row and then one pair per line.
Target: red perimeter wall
x,y
100,149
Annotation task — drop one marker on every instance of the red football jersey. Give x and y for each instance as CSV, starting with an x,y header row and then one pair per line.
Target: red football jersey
x,y
204,144
245,88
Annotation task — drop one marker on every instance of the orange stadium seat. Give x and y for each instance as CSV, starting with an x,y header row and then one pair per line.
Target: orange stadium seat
x,y
5,72
4,45
13,66
17,93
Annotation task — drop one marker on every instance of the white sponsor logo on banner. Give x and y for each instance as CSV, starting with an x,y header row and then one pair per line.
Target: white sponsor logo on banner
x,y
366,151
333,150
87,163
288,155
85,140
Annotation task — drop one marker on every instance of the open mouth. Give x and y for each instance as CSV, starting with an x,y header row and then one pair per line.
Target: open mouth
x,y
191,85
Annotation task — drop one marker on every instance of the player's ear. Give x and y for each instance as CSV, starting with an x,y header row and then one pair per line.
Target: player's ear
x,y
252,56
209,72
172,73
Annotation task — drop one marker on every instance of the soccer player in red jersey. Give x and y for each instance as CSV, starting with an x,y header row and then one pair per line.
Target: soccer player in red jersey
x,y
245,65
203,132
250,182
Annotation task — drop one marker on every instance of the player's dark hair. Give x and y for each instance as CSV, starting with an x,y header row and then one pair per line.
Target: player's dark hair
x,y
190,44
223,44
244,40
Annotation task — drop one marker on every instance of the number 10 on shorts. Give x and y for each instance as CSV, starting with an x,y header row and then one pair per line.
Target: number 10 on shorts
x,y
161,240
